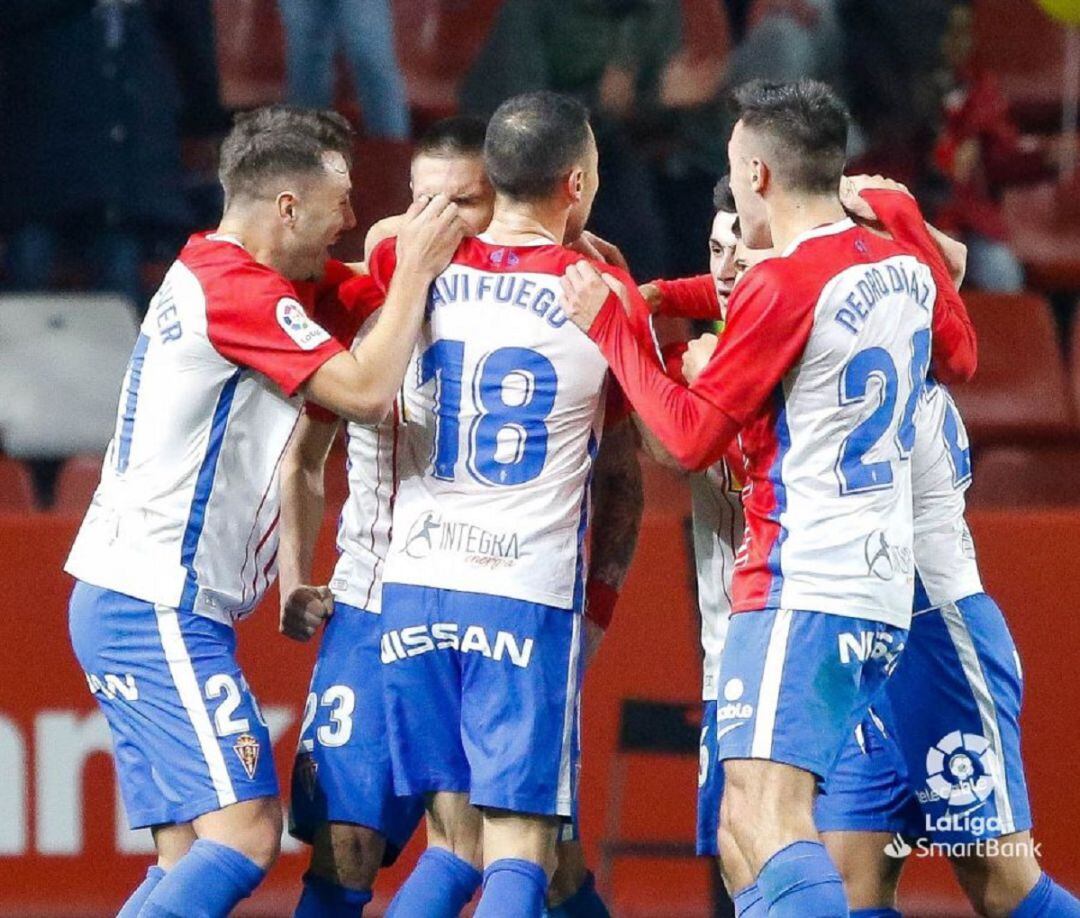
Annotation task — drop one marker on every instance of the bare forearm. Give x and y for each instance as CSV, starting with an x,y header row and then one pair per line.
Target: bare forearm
x,y
303,501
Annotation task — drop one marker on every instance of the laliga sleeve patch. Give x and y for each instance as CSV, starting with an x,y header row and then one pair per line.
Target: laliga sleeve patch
x,y
296,324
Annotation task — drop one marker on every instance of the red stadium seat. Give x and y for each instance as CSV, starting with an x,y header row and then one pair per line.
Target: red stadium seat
x,y
1026,477
1025,48
16,487
1020,391
75,485
1044,229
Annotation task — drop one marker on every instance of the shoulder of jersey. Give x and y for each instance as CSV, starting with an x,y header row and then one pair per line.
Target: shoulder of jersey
x,y
529,259
226,271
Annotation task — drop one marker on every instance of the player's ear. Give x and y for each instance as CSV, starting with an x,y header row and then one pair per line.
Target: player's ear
x,y
286,207
759,176
575,183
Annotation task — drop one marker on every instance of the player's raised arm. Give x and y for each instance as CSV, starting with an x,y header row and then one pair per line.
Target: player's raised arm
x,y
955,353
361,386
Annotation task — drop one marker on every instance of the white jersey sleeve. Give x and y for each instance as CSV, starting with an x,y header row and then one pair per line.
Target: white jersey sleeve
x,y
718,531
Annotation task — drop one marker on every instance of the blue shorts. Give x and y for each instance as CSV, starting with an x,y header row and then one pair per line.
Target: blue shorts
x,y
342,768
710,785
793,684
950,721
188,736
482,697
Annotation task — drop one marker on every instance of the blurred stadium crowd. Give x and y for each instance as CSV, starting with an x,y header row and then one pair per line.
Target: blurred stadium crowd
x,y
113,110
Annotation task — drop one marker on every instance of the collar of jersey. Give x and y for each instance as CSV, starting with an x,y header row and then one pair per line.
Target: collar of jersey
x,y
531,244
829,229
225,237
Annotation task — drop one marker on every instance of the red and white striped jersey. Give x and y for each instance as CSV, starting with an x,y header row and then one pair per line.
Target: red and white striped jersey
x,y
186,512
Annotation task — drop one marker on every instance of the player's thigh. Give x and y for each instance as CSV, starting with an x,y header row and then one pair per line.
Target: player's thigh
x,y
521,680
570,873
955,699
870,875
342,772
189,737
421,674
792,685
520,835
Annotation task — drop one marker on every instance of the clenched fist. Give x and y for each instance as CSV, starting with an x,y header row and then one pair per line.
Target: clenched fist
x,y
304,610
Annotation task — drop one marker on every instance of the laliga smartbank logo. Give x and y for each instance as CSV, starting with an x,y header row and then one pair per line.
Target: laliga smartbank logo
x,y
962,771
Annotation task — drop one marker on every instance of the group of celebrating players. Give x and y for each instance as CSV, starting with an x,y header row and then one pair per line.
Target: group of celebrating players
x,y
497,367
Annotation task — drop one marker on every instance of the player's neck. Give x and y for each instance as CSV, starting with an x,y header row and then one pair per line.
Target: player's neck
x,y
517,223
250,231
791,216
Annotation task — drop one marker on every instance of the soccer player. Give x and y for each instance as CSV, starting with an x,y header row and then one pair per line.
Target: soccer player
x,y
342,800
180,539
342,797
939,755
485,579
819,369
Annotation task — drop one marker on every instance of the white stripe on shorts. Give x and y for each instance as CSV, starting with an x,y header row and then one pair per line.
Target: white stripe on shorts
x,y
187,686
564,805
769,692
984,702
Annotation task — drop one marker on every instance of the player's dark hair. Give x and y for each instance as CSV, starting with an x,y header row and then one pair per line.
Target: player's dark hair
x,y
277,141
808,125
460,135
722,198
532,141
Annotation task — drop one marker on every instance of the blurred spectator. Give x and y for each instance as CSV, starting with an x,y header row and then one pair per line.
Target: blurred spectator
x,y
978,154
658,126
789,40
364,31
94,96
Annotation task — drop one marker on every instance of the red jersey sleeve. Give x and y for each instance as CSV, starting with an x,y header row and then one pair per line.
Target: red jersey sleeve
x,y
382,261
954,352
766,334
255,319
342,309
689,298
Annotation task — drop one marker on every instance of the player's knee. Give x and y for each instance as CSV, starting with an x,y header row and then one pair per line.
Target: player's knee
x,y
995,886
253,828
870,876
454,824
347,855
570,872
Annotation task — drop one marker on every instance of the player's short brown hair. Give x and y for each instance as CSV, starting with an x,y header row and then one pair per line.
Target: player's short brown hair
x,y
532,141
277,141
808,125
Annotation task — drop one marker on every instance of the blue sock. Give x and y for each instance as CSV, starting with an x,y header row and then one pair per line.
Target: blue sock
x,y
207,882
137,898
585,903
749,903
876,913
1048,900
323,899
802,880
439,887
513,888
